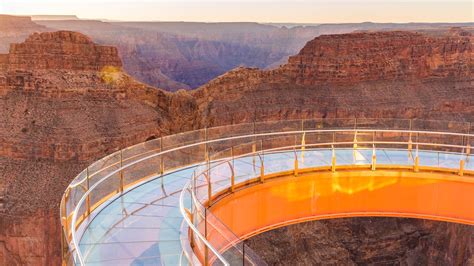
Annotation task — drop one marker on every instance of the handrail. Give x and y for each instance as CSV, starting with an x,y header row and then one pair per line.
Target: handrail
x,y
90,189
191,225
295,132
339,143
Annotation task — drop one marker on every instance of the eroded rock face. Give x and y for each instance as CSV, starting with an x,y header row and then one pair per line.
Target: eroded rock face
x,y
367,241
359,57
63,50
64,102
385,74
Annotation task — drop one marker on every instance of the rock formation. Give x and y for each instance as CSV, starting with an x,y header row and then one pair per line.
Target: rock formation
x,y
367,241
184,55
382,74
65,102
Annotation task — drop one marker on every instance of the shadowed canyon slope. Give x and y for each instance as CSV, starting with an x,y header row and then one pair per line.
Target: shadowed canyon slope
x,y
367,241
65,102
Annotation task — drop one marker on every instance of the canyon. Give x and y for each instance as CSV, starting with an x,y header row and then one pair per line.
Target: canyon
x,y
186,55
367,241
67,101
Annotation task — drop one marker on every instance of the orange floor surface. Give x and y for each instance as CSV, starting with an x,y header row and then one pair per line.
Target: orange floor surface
x,y
312,196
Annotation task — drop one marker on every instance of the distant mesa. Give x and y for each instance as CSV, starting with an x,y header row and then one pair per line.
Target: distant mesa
x,y
54,17
62,50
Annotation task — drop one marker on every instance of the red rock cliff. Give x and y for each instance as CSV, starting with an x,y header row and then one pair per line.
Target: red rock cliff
x,y
358,57
65,102
381,74
62,50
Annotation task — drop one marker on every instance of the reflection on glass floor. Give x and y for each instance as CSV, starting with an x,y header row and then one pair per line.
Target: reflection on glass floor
x,y
143,226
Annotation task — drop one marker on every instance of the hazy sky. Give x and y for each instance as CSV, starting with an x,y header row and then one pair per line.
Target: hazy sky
x,y
302,11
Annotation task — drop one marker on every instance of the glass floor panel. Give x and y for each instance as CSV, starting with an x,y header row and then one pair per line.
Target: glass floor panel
x,y
143,226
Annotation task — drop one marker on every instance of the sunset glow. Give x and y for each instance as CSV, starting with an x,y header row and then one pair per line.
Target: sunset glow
x,y
299,11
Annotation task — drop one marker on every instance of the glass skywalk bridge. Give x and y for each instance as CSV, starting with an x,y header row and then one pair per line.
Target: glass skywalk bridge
x,y
162,202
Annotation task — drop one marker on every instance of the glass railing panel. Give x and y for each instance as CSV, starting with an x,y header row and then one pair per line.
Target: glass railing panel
x,y
332,123
141,150
182,139
220,177
230,131
429,158
104,191
101,168
395,157
247,155
390,124
440,126
279,161
310,158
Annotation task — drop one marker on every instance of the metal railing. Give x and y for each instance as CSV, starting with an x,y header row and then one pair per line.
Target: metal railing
x,y
217,176
118,172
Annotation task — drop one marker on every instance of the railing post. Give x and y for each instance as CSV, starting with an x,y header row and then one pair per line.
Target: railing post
x,y
232,179
66,199
206,148
162,163
303,144
410,143
333,159
191,217
121,172
461,167
374,158
209,190
296,163
355,140
88,199
254,152
417,161
262,169
468,151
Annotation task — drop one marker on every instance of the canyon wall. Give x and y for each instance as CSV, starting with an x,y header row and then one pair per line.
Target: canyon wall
x,y
66,101
382,74
185,55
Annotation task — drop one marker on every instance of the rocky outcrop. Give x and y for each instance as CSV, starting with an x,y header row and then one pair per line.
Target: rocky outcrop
x,y
65,102
360,57
63,50
367,241
387,74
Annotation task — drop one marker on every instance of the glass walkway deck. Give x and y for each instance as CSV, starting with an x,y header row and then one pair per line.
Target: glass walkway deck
x,y
149,205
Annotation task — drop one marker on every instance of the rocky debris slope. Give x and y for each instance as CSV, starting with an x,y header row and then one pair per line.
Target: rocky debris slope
x,y
367,241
